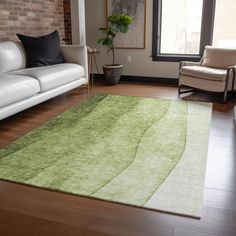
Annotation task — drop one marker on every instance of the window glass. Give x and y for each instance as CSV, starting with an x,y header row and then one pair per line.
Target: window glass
x,y
225,24
181,26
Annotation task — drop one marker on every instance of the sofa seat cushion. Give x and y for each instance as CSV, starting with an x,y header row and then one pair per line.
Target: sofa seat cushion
x,y
50,77
204,72
14,88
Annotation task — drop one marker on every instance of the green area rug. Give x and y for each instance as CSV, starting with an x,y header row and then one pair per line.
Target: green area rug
x,y
139,151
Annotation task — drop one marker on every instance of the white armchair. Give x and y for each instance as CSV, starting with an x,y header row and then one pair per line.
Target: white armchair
x,y
215,72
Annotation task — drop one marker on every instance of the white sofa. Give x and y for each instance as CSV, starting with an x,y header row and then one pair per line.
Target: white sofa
x,y
21,88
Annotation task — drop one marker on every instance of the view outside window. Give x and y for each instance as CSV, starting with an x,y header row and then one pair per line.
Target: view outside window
x,y
225,24
181,26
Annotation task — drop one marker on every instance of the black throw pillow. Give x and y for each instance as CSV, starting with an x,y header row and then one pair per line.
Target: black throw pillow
x,y
42,51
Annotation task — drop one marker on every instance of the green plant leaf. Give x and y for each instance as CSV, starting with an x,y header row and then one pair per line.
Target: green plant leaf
x,y
117,23
102,29
100,40
108,42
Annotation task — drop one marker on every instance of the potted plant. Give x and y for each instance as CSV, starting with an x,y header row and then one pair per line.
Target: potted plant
x,y
117,23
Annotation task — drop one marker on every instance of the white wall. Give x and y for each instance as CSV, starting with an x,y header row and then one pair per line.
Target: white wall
x,y
142,64
78,22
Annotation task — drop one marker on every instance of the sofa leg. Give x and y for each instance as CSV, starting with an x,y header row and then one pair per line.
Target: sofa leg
x,y
87,90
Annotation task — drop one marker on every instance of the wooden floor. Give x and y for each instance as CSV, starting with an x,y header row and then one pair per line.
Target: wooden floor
x,y
30,211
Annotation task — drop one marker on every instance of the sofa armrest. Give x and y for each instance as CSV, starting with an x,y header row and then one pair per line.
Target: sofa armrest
x,y
76,54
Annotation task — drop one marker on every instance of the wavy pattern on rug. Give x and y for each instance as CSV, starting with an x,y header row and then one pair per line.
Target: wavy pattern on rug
x,y
114,148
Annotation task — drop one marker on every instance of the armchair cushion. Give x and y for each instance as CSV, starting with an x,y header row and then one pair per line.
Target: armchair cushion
x,y
204,72
220,58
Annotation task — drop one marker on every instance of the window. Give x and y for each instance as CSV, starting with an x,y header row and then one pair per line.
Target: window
x,y
181,28
224,34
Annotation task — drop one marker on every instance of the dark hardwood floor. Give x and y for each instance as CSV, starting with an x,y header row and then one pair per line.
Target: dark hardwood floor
x,y
32,211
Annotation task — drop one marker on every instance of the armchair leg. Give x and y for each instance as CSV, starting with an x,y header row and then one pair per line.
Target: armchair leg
x,y
225,95
186,91
226,86
179,89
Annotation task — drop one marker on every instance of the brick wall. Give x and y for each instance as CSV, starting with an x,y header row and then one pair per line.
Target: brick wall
x,y
67,22
34,17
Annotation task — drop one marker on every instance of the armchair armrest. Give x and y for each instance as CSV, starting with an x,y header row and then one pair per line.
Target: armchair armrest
x,y
76,54
231,71
232,68
189,63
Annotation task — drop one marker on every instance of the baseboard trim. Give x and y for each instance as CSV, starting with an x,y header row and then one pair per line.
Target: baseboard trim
x,y
146,79
142,79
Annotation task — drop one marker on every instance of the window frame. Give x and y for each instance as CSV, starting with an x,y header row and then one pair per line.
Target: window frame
x,y
206,38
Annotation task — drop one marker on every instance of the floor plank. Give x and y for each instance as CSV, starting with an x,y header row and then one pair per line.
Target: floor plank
x,y
183,232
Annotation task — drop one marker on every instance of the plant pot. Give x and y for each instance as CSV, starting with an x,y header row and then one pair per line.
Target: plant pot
x,y
112,73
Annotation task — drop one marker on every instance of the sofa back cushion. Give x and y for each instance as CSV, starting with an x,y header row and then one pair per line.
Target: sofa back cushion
x,y
12,57
220,58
